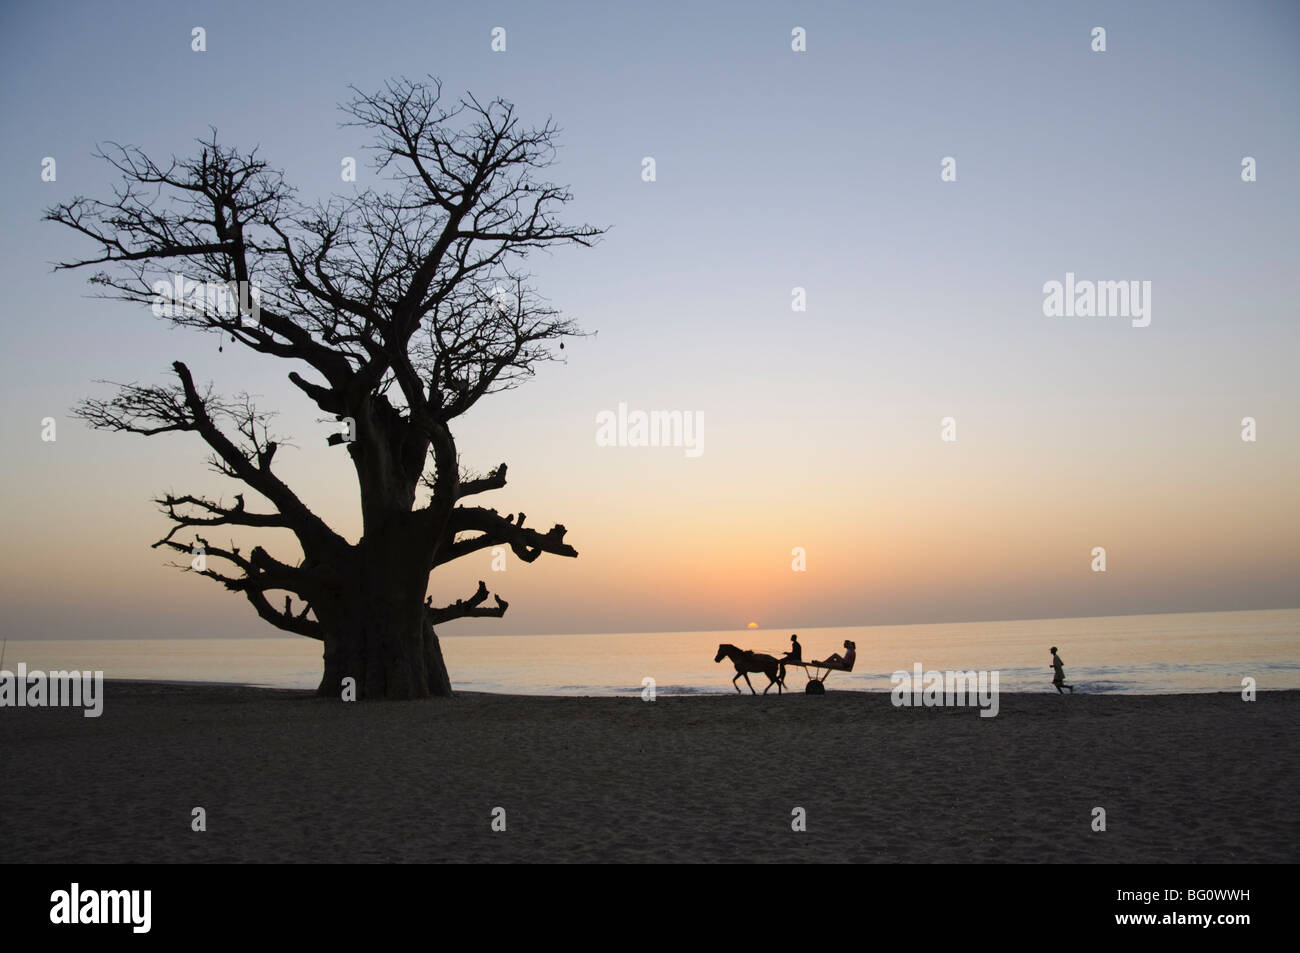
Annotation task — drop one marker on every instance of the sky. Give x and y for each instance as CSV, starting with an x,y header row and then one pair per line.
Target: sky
x,y
775,170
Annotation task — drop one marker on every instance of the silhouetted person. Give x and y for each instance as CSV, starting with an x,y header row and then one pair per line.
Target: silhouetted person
x,y
796,651
1058,679
835,660
795,655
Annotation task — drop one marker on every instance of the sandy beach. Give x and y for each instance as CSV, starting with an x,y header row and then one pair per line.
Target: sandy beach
x,y
287,777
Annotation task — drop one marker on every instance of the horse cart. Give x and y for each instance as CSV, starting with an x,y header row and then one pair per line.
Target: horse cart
x,y
774,668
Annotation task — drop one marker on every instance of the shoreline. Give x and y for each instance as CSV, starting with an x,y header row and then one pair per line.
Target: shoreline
x,y
252,687
635,693
284,775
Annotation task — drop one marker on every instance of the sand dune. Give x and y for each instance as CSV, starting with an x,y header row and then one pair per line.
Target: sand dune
x,y
284,776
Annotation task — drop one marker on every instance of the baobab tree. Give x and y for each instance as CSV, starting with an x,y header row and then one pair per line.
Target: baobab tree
x,y
399,308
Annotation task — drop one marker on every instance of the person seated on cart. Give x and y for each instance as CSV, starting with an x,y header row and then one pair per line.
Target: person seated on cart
x,y
793,657
796,651
836,661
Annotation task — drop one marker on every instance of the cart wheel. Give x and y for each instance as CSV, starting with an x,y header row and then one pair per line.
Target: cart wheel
x,y
815,688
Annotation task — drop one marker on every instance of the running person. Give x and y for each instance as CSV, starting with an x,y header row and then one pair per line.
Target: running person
x,y
1058,678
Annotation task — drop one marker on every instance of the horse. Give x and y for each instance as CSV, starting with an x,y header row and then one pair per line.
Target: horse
x,y
747,661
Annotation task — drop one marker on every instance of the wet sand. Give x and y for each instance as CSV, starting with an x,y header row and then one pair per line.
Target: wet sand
x,y
287,777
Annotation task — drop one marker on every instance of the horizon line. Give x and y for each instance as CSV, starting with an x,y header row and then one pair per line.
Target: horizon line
x,y
771,628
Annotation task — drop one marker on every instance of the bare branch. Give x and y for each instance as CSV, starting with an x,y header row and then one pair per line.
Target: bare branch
x,y
493,481
463,608
497,530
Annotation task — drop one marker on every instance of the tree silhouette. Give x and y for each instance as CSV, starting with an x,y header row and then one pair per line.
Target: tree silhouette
x,y
402,307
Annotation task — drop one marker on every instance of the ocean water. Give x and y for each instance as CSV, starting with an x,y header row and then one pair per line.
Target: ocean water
x,y
1150,654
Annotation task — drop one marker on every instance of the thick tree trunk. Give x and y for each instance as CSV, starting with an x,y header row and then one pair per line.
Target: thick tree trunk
x,y
377,631
385,663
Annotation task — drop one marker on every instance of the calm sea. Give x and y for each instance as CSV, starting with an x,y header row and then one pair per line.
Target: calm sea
x,y
1196,652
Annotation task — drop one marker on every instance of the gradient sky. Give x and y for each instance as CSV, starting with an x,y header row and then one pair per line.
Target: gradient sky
x,y
775,169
